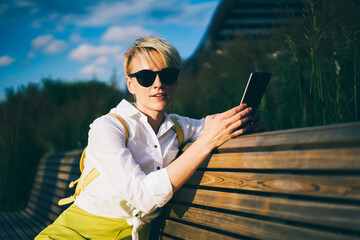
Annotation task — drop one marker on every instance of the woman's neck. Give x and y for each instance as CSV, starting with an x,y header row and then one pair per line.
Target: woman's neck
x,y
155,118
155,121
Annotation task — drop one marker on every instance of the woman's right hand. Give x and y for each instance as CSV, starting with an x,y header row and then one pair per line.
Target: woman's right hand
x,y
221,127
218,129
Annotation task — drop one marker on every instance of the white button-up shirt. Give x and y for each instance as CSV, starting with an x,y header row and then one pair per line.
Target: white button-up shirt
x,y
133,179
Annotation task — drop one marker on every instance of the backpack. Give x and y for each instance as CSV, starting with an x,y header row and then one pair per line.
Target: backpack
x,y
94,172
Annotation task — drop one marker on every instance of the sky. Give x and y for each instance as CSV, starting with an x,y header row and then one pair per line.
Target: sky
x,y
78,40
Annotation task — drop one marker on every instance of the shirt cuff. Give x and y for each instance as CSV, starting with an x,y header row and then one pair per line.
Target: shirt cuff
x,y
159,186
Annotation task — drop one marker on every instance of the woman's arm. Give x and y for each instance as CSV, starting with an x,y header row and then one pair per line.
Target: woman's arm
x,y
217,129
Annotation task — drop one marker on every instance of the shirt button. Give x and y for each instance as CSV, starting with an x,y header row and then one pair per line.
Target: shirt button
x,y
158,168
155,146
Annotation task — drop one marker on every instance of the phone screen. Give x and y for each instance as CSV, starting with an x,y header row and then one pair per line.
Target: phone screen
x,y
255,89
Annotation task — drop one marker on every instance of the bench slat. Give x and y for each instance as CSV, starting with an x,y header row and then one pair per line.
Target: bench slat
x,y
184,231
255,228
333,136
319,213
9,231
322,160
19,225
32,224
342,187
3,228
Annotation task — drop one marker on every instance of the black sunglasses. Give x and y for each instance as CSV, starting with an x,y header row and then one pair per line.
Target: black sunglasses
x,y
147,77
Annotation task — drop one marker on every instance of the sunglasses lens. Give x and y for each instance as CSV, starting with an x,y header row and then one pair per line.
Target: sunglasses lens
x,y
169,75
145,78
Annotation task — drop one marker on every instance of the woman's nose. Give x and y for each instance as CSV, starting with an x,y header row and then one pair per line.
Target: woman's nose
x,y
157,82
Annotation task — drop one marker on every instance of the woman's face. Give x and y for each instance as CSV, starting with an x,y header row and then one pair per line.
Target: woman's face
x,y
153,99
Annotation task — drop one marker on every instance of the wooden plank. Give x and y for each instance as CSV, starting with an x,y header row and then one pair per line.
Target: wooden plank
x,y
47,206
344,187
31,223
184,231
326,159
10,232
339,216
69,154
61,168
3,228
243,226
332,136
40,219
18,225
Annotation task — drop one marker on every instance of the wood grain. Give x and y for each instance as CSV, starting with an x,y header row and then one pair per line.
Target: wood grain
x,y
338,215
332,136
343,187
255,228
184,231
322,160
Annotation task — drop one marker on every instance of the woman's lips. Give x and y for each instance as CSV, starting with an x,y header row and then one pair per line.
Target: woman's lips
x,y
159,95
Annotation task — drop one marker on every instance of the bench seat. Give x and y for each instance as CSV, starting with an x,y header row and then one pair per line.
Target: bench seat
x,y
292,184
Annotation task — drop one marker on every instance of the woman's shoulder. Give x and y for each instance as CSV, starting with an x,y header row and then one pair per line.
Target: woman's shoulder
x,y
106,123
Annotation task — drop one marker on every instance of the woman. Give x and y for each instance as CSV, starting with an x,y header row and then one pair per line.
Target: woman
x,y
136,179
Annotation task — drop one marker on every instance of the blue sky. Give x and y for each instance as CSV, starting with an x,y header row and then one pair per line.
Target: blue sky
x,y
75,40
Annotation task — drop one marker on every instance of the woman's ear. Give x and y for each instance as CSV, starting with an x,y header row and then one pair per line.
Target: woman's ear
x,y
129,85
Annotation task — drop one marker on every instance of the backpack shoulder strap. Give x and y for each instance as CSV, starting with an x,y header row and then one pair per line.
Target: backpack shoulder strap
x,y
179,132
124,125
93,173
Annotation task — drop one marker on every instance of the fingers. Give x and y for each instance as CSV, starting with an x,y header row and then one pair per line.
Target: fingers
x,y
233,111
240,131
240,118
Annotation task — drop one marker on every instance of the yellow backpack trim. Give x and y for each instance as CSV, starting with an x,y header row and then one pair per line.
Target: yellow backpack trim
x,y
94,173
179,132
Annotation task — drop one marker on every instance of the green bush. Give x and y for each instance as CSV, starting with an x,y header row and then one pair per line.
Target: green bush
x,y
39,119
315,65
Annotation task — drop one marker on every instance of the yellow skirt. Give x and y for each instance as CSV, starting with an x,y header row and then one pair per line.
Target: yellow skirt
x,y
76,224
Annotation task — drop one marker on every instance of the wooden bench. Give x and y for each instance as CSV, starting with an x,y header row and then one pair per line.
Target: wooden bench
x,y
51,184
293,184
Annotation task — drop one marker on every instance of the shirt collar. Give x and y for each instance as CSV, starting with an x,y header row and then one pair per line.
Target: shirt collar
x,y
127,109
165,125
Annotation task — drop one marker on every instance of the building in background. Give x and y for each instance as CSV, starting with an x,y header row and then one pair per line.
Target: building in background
x,y
248,18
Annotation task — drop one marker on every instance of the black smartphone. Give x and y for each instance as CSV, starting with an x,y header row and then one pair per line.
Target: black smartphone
x,y
255,89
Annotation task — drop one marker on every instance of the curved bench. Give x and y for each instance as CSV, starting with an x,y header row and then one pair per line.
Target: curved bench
x,y
293,184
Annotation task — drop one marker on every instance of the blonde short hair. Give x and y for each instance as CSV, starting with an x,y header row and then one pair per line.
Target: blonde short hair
x,y
143,47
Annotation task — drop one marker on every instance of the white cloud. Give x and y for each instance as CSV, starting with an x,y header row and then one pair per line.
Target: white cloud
x,y
41,41
86,51
48,44
76,38
55,46
27,4
107,13
23,3
101,60
31,54
144,12
6,60
91,70
124,34
3,8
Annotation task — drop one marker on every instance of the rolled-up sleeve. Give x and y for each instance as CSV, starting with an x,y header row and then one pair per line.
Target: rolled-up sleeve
x,y
116,163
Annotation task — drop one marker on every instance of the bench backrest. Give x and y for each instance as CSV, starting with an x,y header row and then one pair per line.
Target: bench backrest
x,y
293,184
55,171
